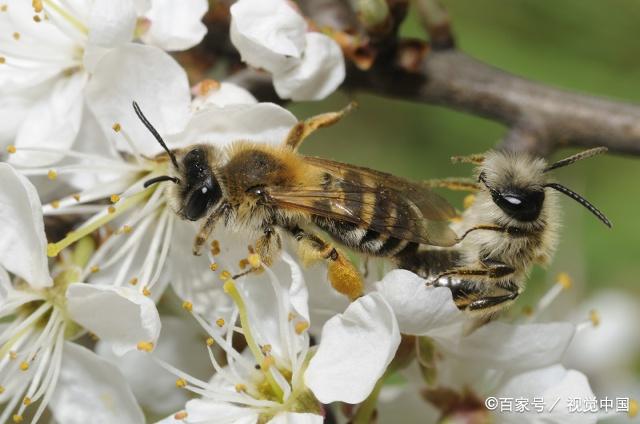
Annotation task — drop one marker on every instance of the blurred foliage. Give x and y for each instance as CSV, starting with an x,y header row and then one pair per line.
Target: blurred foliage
x,y
584,45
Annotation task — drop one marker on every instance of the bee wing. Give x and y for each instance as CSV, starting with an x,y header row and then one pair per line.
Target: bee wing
x,y
375,200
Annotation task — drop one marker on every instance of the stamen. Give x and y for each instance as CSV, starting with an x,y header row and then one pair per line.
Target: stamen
x,y
26,401
220,322
10,148
17,418
145,346
232,291
187,306
16,36
133,281
213,266
37,5
95,269
209,341
115,198
146,292
116,127
301,326
181,383
24,366
52,174
54,248
225,275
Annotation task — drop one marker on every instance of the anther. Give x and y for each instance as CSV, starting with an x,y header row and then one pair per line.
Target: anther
x,y
220,322
52,174
17,418
116,127
240,388
37,5
243,263
146,291
209,341
3,8
3,60
468,201
133,281
2,389
10,148
76,197
115,198
181,383
187,306
24,365
564,280
55,204
215,247
301,326
265,349
26,401
16,36
13,355
95,269
594,317
145,346
36,18
111,209
225,275
180,415
126,229
213,266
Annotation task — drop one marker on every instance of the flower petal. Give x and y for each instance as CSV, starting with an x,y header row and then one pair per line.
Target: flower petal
x,y
503,346
91,389
53,121
152,78
180,345
269,34
260,123
176,25
297,418
552,384
111,22
23,245
355,349
417,308
209,412
319,74
119,315
226,94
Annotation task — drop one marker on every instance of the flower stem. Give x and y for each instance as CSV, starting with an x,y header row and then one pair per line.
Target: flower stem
x,y
365,412
231,289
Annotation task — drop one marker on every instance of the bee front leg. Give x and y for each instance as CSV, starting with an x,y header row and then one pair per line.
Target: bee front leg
x,y
343,276
206,229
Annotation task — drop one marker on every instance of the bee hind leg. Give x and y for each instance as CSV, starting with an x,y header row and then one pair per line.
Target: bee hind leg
x,y
343,276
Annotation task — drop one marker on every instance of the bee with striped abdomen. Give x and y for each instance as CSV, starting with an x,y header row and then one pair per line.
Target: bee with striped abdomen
x,y
277,192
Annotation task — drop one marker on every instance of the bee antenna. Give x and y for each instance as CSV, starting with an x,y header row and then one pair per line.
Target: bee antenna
x,y
574,158
584,202
160,179
155,133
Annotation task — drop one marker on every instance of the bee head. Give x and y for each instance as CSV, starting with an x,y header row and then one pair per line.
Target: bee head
x,y
515,184
196,189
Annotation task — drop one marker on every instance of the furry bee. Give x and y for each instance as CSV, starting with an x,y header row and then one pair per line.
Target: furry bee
x,y
278,192
511,225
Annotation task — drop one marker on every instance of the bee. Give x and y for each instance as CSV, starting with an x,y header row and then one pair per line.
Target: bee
x,y
511,225
277,192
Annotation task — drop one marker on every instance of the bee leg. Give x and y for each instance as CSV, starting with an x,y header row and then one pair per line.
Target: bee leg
x,y
475,159
343,276
497,270
512,231
455,184
268,246
304,129
205,230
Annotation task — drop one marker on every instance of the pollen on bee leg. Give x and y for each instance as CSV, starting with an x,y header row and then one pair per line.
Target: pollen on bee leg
x,y
145,346
52,174
345,278
180,415
10,148
187,306
181,383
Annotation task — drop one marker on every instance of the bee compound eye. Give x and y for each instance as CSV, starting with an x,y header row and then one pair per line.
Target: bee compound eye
x,y
201,199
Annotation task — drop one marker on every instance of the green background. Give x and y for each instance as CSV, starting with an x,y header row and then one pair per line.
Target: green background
x,y
587,46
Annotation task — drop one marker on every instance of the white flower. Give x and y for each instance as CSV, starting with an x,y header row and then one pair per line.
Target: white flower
x,y
149,238
274,379
39,316
271,35
49,51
